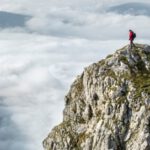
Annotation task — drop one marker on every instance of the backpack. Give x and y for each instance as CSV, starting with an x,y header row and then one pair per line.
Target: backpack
x,y
134,35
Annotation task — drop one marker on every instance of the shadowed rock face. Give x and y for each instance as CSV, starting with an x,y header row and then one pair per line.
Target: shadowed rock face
x,y
8,20
108,105
131,8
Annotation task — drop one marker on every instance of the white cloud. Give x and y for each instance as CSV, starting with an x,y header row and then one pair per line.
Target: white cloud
x,y
90,26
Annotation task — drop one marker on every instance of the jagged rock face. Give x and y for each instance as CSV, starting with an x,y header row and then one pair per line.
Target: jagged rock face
x,y
108,106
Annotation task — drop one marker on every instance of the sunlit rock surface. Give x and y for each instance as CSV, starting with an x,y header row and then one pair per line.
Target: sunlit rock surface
x,y
108,105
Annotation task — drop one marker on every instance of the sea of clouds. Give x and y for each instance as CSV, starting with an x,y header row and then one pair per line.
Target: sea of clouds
x,y
40,60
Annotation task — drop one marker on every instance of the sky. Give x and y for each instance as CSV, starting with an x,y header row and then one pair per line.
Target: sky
x,y
44,45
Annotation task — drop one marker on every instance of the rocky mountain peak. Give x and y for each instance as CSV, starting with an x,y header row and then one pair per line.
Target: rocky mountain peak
x,y
108,105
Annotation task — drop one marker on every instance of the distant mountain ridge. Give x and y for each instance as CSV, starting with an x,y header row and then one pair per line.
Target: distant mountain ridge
x,y
10,20
131,8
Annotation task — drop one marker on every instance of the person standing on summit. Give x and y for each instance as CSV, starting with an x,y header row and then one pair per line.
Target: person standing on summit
x,y
132,36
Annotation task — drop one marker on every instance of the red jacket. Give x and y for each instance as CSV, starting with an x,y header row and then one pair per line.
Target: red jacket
x,y
130,35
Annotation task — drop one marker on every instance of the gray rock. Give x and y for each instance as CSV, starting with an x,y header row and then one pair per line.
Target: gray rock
x,y
108,106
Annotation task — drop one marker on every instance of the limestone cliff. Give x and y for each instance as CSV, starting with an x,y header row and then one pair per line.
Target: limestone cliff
x,y
108,105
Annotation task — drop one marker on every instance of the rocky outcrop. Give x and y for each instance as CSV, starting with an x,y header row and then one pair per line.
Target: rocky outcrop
x,y
108,106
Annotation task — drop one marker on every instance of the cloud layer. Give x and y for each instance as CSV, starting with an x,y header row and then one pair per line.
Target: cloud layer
x,y
40,60
84,19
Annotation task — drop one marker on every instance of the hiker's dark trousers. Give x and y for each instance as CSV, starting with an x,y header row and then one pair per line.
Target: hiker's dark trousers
x,y
131,44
